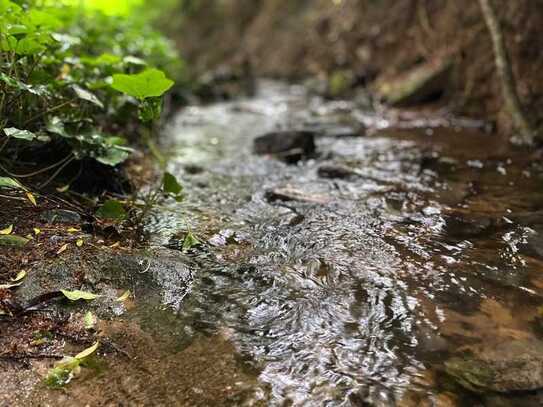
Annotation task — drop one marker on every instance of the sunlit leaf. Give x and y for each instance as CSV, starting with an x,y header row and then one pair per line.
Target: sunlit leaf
x,y
20,275
37,231
62,248
6,182
124,297
19,134
7,231
149,83
87,352
31,198
79,242
77,295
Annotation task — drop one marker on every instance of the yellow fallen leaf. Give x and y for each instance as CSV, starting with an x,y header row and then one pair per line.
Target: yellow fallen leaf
x,y
62,248
29,236
73,230
20,275
114,245
31,198
124,297
37,231
7,231
87,352
79,242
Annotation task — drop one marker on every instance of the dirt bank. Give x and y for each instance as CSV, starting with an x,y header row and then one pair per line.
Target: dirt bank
x,y
372,41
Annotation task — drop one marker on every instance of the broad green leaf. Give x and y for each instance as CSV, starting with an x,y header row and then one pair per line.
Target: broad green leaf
x,y
56,126
112,209
87,352
86,95
6,182
77,295
170,185
149,83
114,155
13,240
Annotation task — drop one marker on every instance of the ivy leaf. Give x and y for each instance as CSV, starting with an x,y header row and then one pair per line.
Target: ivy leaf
x,y
86,95
19,134
149,83
77,295
112,209
170,185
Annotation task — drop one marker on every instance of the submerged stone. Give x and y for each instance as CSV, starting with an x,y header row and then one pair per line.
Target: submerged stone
x,y
508,367
290,194
290,146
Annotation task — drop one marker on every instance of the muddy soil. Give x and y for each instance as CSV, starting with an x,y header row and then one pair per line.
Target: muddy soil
x,y
397,263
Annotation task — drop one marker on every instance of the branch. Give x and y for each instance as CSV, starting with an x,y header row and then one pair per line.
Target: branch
x,y
505,74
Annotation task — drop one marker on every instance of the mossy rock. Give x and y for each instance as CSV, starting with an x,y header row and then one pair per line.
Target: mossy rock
x,y
508,367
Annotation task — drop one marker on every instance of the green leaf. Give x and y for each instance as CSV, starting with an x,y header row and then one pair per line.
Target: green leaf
x,y
170,185
149,83
13,240
62,373
19,134
112,209
86,95
150,109
77,295
190,241
6,182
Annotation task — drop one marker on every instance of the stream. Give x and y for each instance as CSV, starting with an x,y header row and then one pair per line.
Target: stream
x,y
353,277
359,289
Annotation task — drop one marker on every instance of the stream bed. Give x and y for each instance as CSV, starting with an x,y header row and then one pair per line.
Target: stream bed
x,y
398,265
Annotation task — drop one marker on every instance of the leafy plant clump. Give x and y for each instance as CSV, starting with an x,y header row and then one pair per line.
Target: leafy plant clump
x,y
73,83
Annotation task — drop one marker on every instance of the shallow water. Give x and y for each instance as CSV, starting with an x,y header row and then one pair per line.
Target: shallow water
x,y
360,294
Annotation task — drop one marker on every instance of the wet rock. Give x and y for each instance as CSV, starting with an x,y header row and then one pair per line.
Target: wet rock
x,y
421,84
508,367
158,277
289,146
336,171
60,216
223,238
462,225
290,194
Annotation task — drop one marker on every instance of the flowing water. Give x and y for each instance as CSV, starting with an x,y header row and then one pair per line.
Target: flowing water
x,y
357,291
360,290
